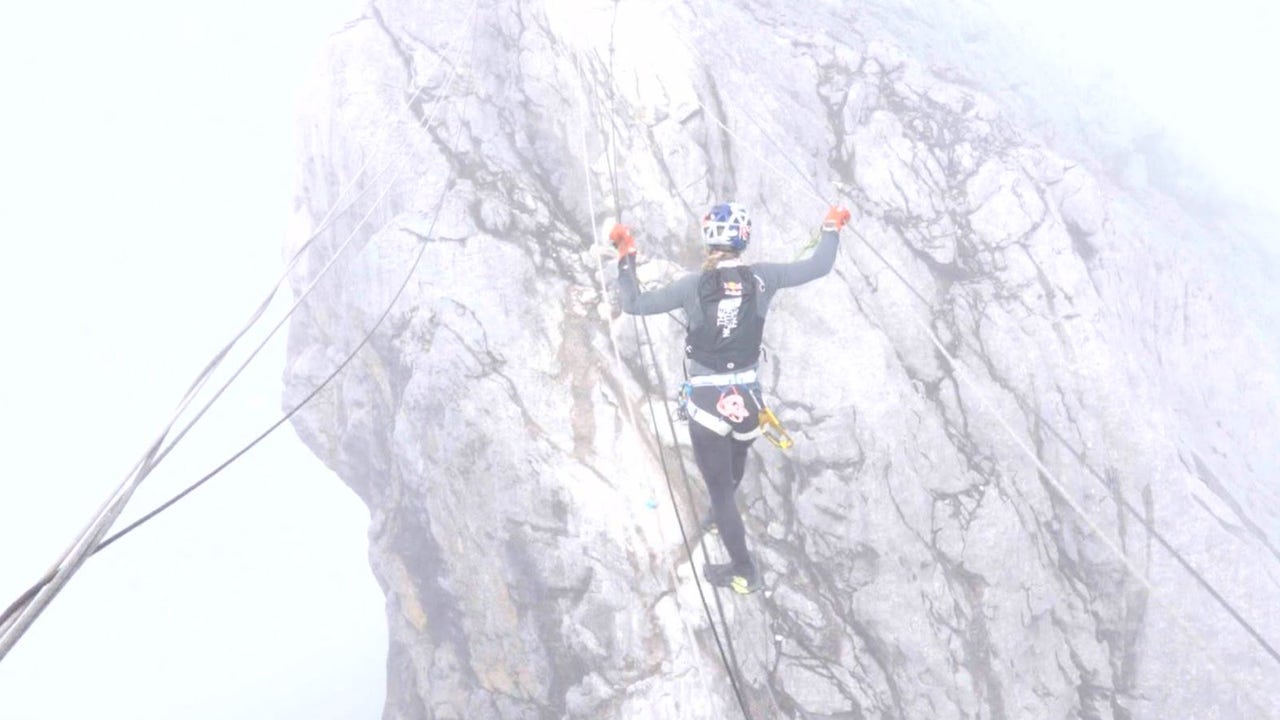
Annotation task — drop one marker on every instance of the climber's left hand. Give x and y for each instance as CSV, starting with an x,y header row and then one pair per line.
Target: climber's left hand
x,y
622,240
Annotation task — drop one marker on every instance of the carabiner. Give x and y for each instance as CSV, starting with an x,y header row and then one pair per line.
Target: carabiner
x,y
772,429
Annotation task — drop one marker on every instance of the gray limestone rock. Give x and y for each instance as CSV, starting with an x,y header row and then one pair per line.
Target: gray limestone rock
x,y
1020,364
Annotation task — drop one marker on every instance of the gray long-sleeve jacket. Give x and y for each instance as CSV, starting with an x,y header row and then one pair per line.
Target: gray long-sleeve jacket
x,y
683,292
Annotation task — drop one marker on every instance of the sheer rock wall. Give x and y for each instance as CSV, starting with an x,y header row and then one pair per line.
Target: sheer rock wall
x,y
919,562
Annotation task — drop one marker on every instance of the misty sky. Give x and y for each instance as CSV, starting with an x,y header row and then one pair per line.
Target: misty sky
x,y
146,159
1205,71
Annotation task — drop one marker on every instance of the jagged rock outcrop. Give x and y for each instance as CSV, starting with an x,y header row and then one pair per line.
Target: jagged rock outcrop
x,y
922,555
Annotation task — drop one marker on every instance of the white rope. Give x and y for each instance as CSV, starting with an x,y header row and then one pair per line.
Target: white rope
x,y
600,267
74,557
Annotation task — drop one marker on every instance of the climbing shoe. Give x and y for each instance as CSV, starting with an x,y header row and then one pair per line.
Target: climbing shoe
x,y
743,581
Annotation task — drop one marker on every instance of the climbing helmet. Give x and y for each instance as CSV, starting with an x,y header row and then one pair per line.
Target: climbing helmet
x,y
727,225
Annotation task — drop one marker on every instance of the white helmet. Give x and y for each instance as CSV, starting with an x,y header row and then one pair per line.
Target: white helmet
x,y
727,225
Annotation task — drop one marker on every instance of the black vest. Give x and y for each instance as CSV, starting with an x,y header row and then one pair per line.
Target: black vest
x,y
728,338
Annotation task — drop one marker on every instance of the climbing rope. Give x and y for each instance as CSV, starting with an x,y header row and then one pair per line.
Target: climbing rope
x,y
732,666
724,646
23,612
400,165
1052,479
620,369
26,596
311,286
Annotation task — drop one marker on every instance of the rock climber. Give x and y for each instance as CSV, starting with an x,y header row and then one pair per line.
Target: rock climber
x,y
726,304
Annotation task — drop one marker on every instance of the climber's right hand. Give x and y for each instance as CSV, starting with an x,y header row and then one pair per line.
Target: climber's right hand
x,y
836,218
621,238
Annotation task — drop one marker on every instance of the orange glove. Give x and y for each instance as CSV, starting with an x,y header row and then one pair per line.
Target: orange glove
x,y
836,217
621,238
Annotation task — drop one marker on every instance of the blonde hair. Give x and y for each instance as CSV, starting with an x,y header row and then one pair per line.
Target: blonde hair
x,y
715,257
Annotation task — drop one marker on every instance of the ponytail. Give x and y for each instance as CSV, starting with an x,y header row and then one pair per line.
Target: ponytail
x,y
715,257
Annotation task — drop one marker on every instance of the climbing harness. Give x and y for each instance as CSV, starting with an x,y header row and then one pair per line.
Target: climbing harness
x,y
770,427
746,377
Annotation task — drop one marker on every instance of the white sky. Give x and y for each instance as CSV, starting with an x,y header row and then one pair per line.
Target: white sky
x,y
145,168
146,155
1206,71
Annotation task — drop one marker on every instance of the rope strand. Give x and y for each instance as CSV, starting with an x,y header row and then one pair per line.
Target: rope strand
x,y
34,589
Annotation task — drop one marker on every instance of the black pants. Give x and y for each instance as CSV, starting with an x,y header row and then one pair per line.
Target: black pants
x,y
722,460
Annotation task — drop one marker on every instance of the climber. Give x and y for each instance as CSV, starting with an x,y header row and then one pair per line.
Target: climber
x,y
725,304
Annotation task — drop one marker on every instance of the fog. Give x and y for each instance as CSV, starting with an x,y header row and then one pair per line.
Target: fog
x,y
1201,73
146,165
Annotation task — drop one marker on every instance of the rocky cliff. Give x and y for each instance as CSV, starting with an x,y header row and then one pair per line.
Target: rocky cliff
x,y
1028,371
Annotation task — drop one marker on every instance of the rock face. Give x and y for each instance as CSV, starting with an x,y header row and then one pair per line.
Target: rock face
x,y
967,540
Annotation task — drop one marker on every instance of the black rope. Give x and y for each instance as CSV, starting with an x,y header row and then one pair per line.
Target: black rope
x,y
31,592
730,658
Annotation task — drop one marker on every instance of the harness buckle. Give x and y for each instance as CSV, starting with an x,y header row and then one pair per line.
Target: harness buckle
x,y
772,429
